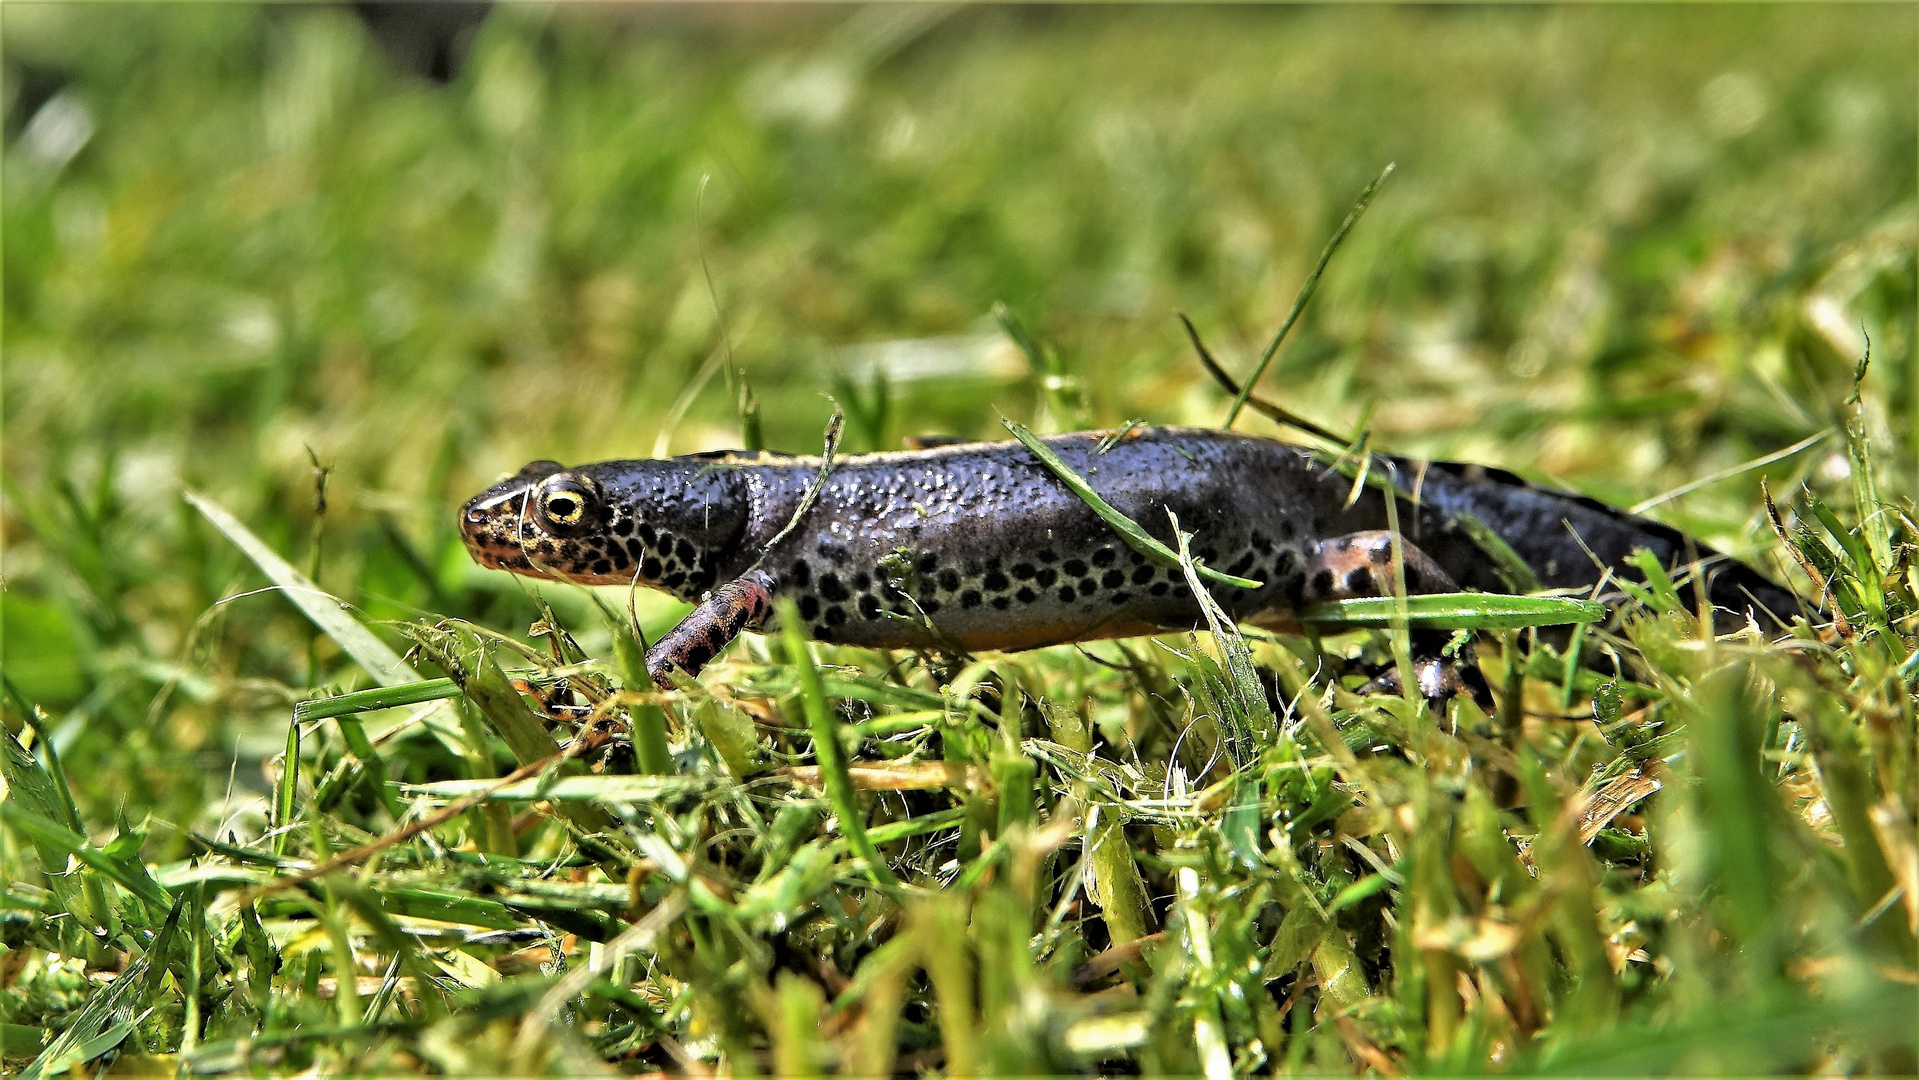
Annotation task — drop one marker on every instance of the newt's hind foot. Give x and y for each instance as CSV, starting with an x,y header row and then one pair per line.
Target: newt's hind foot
x,y
1361,564
1440,680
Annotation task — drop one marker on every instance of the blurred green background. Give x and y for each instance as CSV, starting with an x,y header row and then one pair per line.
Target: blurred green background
x,y
1625,247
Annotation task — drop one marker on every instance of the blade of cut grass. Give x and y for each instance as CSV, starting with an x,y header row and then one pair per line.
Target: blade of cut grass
x,y
380,697
1455,611
636,788
285,791
326,611
1137,538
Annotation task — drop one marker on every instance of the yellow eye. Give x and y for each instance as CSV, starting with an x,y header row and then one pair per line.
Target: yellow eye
x,y
564,507
566,503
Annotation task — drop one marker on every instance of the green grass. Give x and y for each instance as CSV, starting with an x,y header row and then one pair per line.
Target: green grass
x,y
1626,248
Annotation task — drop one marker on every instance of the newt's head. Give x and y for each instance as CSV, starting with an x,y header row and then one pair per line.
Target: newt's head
x,y
665,524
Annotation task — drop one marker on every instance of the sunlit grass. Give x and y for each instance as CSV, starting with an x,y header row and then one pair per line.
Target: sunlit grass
x,y
1626,248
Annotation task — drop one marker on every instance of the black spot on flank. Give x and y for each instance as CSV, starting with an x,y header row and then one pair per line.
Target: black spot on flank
x,y
1087,586
1412,578
928,561
1359,581
1323,583
1113,579
1159,588
647,533
1241,565
1074,567
1286,529
1104,556
1066,594
831,588
1287,562
995,581
949,579
1048,555
970,598
1047,575
1001,603
992,564
802,573
1261,544
1119,598
1206,553
1026,594
602,566
833,552
929,605
650,569
1142,575
835,615
1137,558
809,607
674,580
634,551
1023,571
862,581
869,606
623,527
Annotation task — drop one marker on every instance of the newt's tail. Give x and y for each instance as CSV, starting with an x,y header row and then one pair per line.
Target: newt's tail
x,y
1568,540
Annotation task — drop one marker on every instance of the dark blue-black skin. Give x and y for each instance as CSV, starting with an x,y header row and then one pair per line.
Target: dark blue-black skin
x,y
984,543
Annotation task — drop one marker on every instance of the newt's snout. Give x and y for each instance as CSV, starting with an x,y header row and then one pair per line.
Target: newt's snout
x,y
496,523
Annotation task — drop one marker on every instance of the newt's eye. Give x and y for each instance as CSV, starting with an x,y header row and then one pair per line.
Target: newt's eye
x,y
564,502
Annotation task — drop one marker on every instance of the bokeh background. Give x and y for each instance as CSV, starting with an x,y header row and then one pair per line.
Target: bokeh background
x,y
1625,247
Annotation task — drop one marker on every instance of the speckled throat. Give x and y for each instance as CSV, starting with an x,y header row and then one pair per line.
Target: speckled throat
x,y
979,545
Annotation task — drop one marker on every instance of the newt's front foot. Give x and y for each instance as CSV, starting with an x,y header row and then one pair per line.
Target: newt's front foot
x,y
741,604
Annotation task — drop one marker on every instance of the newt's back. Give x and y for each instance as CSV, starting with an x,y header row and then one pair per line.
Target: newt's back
x,y
984,542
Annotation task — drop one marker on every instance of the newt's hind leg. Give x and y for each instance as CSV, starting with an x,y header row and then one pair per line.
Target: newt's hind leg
x,y
742,604
1361,564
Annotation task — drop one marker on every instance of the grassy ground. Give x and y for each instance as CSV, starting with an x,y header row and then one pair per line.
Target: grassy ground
x,y
1625,248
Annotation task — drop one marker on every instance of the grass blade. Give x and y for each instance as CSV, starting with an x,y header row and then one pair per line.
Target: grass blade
x,y
826,748
130,874
599,789
1306,293
326,611
1139,539
1455,611
380,697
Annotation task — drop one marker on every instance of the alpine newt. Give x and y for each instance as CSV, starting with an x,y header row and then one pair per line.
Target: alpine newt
x,y
980,546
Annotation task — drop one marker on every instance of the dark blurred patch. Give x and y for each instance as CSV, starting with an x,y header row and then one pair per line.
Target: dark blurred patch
x,y
430,40
34,86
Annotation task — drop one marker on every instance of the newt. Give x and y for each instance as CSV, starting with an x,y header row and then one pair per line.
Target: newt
x,y
979,546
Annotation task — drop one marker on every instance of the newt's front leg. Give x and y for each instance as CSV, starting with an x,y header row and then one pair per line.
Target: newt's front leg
x,y
742,604
1361,564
